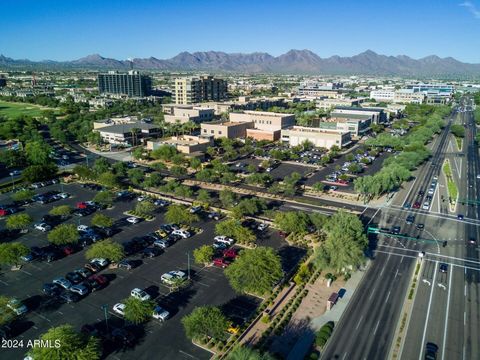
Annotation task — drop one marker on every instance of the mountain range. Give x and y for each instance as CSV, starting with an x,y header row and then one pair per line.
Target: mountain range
x,y
292,62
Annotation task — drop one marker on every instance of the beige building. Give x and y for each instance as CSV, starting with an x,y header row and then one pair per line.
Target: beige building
x,y
185,144
228,129
327,104
264,120
194,90
408,96
98,124
318,137
185,113
356,126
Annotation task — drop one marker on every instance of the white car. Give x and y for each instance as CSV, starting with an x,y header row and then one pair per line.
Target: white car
x,y
42,227
140,294
172,277
478,176
119,308
141,198
262,227
133,220
64,195
17,306
183,233
160,313
195,209
224,239
426,205
100,261
83,228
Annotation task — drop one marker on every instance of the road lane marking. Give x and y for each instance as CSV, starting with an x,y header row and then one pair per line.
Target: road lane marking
x,y
446,316
376,327
428,312
373,292
359,321
409,191
388,296
344,356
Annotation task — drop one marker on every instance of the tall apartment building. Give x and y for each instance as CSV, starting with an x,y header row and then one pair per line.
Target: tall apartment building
x,y
132,84
199,89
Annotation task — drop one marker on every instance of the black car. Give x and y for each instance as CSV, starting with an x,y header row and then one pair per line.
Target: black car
x,y
443,268
396,230
151,252
420,226
51,289
421,193
123,336
410,219
51,255
74,277
431,351
69,297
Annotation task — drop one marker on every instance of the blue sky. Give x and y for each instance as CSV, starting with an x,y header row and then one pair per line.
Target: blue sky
x,y
70,29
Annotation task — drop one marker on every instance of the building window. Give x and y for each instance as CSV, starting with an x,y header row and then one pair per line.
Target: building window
x,y
212,132
220,132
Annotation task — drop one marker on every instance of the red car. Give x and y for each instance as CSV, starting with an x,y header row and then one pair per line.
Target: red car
x,y
230,253
4,212
222,262
81,205
101,279
68,250
416,205
341,181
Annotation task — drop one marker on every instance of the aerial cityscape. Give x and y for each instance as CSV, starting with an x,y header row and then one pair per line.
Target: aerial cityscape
x,y
229,180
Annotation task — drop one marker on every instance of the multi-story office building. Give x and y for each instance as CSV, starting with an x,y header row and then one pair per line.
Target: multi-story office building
x,y
132,84
377,115
185,113
194,90
297,135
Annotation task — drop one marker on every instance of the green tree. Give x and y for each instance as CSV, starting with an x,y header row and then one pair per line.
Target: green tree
x,y
227,198
205,322
247,353
101,165
179,214
23,195
6,315
255,271
318,187
138,311
109,179
18,221
106,249
204,197
61,210
204,254
250,206
345,241
296,222
234,229
457,130
38,152
72,345
178,170
136,176
10,253
102,220
95,138
83,172
63,234
303,274
163,152
155,179
35,173
138,153
145,208
104,198
120,169
195,163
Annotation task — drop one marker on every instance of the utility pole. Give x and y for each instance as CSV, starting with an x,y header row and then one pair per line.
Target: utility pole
x,y
188,266
104,307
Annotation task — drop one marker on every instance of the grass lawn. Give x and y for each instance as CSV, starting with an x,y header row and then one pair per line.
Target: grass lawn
x,y
459,142
13,109
451,186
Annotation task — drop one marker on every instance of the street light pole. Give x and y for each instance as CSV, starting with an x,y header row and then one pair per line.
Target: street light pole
x,y
13,181
188,266
104,307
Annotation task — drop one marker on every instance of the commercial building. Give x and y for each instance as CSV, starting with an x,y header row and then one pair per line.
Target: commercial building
x,y
318,137
378,115
186,144
128,134
409,96
185,113
382,95
264,120
97,124
194,90
356,126
132,84
327,104
228,129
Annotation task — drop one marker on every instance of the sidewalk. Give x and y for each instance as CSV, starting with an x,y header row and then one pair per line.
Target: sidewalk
x,y
303,345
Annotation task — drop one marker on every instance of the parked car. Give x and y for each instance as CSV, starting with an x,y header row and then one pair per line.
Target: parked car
x,y
214,215
222,262
219,245
431,351
163,243
140,294
42,227
125,264
420,226
262,226
93,267
224,239
161,202
80,289
173,277
69,297
100,261
151,252
84,228
160,313
416,205
17,306
62,282
51,289
119,309
443,268
74,277
183,233
195,209
230,253
83,272
410,219
133,220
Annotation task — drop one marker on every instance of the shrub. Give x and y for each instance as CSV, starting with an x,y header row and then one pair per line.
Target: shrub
x,y
265,319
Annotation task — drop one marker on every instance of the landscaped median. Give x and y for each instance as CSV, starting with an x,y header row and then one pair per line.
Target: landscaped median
x,y
402,326
451,185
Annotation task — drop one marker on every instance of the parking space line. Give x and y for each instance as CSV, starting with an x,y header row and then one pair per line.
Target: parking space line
x,y
41,316
3,282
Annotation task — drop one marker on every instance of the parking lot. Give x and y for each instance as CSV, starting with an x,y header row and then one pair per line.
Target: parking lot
x,y
208,286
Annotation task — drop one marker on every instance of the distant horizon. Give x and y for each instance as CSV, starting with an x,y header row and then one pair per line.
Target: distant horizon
x,y
230,53
68,30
